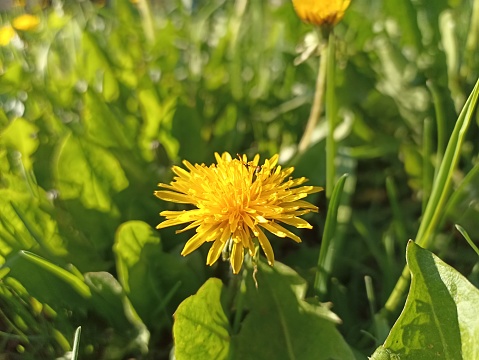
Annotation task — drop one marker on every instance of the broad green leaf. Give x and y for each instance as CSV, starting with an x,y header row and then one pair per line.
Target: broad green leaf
x,y
439,320
157,117
109,301
155,281
96,67
37,275
104,126
27,221
130,241
21,135
282,325
88,172
201,328
136,247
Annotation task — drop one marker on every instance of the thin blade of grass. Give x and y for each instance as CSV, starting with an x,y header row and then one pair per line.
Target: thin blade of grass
x,y
468,238
76,343
322,273
439,195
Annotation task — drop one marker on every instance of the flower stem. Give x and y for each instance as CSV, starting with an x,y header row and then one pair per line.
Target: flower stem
x,y
317,100
239,301
331,115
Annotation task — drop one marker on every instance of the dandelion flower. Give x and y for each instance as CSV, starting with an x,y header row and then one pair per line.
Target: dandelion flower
x,y
321,12
6,35
235,201
26,22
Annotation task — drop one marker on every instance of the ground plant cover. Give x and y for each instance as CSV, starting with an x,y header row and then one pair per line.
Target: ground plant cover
x,y
239,179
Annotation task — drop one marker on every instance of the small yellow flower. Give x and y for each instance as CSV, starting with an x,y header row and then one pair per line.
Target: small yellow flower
x,y
235,200
26,22
6,35
321,12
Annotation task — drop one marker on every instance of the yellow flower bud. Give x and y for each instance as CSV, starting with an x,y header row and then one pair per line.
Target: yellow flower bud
x,y
321,12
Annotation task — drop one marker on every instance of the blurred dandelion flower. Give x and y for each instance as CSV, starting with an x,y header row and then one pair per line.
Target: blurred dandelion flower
x,y
6,35
235,201
26,22
321,12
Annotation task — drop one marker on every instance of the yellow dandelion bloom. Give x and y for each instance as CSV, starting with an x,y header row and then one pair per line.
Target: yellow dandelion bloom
x,y
26,22
235,201
321,12
6,35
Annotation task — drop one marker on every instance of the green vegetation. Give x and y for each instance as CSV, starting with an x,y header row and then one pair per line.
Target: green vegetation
x,y
98,101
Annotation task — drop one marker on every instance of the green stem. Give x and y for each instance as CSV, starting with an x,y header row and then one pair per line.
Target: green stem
x,y
147,20
239,300
331,115
317,105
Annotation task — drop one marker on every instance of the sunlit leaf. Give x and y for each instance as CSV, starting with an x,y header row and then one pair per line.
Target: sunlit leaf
x,y
88,172
439,320
21,135
201,327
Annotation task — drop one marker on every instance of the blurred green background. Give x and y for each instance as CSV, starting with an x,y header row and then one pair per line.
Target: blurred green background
x,y
101,98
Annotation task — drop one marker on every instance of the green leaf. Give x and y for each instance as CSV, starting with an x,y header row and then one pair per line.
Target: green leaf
x,y
109,300
106,127
154,280
201,328
96,67
130,240
88,172
157,116
439,320
37,274
281,325
22,136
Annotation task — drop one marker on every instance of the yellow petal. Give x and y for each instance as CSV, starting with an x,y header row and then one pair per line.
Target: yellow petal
x,y
321,12
237,256
215,252
266,246
280,231
194,243
173,196
296,222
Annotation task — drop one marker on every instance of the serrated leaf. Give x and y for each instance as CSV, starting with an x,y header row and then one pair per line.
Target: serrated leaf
x,y
282,325
88,172
439,320
201,328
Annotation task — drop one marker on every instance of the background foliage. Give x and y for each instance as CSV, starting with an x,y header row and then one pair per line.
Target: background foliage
x,y
101,99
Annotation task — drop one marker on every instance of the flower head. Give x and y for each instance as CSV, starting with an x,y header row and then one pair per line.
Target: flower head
x,y
26,22
321,12
6,35
235,201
